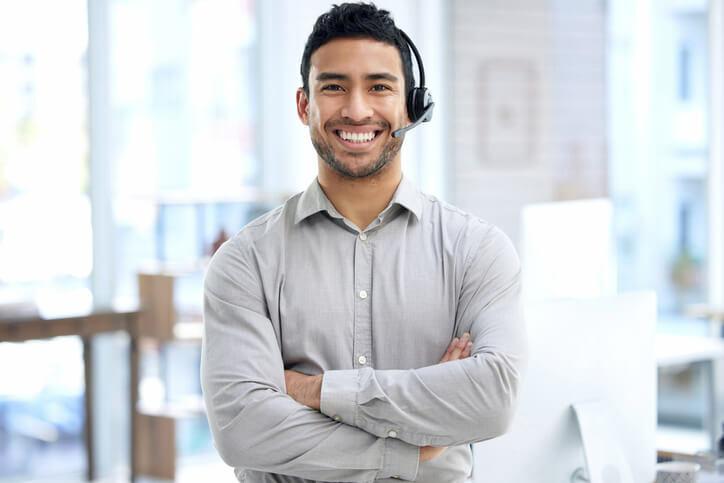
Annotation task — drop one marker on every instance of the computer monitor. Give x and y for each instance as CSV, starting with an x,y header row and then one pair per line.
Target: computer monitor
x,y
599,349
568,249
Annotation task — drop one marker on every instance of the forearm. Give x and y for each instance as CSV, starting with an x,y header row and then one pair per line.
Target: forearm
x,y
457,402
307,389
256,425
274,434
442,405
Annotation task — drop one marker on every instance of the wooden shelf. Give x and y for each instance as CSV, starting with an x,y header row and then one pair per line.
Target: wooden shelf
x,y
160,323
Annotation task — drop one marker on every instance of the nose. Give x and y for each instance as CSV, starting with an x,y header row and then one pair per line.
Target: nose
x,y
357,106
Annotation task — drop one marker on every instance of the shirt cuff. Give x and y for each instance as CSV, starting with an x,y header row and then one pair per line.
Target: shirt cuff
x,y
401,460
339,395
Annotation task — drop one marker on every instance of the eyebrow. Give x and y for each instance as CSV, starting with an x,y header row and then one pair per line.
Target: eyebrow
x,y
325,76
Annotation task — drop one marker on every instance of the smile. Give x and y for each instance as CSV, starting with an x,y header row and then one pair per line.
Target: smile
x,y
357,139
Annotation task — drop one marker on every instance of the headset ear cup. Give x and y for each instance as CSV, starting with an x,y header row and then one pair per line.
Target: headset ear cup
x,y
427,102
411,105
421,102
416,103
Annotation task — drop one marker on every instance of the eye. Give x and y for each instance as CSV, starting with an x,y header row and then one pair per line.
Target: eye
x,y
380,88
332,87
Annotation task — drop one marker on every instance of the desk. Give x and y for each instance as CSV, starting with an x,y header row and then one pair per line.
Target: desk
x,y
85,324
673,350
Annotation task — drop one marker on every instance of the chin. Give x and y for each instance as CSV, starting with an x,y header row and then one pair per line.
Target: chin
x,y
364,170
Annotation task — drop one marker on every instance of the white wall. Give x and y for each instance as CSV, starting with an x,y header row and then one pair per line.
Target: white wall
x,y
529,107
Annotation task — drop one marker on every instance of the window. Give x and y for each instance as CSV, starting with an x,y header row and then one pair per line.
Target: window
x,y
45,224
180,148
183,128
660,112
45,227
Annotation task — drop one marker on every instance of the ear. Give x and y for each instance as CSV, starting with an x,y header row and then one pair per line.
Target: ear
x,y
302,106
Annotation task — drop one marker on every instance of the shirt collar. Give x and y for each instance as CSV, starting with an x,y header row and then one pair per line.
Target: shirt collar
x,y
313,200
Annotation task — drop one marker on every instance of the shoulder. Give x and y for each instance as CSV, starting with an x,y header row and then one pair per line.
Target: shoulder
x,y
475,240
268,228
263,232
271,223
459,223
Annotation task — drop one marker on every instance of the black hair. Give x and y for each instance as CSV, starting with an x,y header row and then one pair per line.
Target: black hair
x,y
356,20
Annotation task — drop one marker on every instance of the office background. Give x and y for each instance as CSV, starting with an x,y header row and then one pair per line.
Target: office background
x,y
134,134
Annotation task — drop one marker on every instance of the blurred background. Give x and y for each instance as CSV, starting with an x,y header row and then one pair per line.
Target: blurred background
x,y
136,135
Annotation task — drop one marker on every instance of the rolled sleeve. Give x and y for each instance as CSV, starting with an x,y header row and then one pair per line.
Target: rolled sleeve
x,y
339,395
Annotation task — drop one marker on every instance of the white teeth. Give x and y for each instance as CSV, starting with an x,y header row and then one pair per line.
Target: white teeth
x,y
356,137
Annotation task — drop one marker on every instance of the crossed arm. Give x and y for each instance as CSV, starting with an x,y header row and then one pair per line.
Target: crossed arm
x,y
259,421
307,390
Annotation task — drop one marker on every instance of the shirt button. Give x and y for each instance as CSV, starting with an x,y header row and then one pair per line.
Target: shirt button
x,y
362,360
363,294
337,418
363,236
392,433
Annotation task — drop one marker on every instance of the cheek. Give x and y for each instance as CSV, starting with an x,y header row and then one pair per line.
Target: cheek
x,y
320,112
403,113
396,111
314,120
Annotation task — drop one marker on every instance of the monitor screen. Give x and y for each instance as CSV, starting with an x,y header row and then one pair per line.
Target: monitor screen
x,y
598,349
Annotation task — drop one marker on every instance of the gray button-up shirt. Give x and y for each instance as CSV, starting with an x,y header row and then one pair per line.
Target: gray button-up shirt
x,y
303,288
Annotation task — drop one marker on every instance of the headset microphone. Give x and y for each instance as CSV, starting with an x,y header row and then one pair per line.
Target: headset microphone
x,y
426,115
419,100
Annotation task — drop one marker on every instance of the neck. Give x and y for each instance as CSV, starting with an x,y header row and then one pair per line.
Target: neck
x,y
360,200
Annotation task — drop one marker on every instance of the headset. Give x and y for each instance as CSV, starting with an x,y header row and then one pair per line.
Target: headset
x,y
419,100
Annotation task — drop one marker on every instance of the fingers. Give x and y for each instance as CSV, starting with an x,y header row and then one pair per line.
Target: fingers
x,y
448,352
459,348
466,352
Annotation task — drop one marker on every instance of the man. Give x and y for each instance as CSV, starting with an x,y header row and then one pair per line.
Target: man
x,y
337,326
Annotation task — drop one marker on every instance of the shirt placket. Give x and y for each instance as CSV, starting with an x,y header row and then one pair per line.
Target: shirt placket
x,y
363,301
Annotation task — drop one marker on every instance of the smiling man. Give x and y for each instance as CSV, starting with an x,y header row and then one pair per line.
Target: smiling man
x,y
363,330
359,128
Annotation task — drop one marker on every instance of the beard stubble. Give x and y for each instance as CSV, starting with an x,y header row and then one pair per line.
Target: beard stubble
x,y
326,152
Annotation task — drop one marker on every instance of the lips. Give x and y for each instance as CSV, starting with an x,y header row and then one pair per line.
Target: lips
x,y
359,138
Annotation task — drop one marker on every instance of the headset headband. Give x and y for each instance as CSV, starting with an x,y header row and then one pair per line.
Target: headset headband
x,y
418,58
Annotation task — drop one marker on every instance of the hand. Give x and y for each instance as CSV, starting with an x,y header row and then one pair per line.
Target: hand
x,y
304,389
458,349
430,452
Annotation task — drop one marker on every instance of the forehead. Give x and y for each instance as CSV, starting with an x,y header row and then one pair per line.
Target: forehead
x,y
355,57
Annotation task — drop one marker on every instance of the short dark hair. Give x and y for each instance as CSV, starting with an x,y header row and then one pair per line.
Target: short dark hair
x,y
357,20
